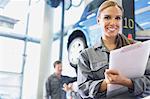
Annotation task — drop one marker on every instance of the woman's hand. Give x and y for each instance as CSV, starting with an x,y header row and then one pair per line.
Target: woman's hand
x,y
115,77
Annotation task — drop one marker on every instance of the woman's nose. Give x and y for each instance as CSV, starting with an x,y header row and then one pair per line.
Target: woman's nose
x,y
113,22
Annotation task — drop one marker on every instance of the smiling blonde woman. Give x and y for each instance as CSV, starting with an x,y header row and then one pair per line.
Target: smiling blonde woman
x,y
93,72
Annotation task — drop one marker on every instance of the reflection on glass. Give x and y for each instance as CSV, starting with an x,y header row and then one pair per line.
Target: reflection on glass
x,y
142,20
9,85
13,27
11,54
16,10
31,71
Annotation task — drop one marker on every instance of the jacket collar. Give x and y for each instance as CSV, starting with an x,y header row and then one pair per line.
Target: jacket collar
x,y
100,45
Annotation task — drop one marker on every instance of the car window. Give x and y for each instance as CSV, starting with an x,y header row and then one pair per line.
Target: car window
x,y
91,7
94,5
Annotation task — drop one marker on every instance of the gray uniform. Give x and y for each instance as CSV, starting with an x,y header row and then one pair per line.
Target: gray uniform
x,y
91,67
54,86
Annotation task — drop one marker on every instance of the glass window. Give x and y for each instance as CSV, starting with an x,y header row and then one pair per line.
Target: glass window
x,y
15,12
14,16
94,5
11,54
142,20
31,71
10,84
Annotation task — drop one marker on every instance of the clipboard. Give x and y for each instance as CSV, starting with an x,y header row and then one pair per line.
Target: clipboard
x,y
131,61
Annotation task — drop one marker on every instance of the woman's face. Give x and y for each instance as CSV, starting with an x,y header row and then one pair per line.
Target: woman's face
x,y
110,21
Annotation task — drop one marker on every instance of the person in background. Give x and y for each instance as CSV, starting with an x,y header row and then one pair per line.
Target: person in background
x,y
93,73
55,82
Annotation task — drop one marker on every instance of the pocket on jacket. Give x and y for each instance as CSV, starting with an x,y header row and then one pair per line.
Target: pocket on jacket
x,y
98,65
98,69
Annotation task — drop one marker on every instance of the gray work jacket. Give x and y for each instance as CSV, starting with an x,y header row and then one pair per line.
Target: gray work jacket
x,y
91,67
54,86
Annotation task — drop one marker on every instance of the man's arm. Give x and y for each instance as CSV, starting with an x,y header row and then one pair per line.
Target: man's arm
x,y
72,79
48,89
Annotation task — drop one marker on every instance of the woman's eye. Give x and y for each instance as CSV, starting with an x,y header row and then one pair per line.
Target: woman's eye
x,y
118,18
107,17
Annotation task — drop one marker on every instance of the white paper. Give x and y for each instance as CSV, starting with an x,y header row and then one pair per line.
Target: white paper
x,y
148,97
130,60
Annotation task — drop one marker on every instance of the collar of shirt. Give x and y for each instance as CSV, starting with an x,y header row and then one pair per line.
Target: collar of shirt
x,y
57,76
100,45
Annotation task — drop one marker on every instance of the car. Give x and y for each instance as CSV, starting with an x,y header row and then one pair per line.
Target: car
x,y
85,32
79,35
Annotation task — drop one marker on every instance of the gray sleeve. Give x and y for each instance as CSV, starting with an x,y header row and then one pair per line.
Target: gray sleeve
x,y
88,86
48,89
142,84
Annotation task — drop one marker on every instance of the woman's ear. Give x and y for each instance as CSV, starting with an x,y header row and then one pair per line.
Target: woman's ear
x,y
98,21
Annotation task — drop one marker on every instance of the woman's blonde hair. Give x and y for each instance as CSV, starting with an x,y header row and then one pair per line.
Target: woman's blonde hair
x,y
108,3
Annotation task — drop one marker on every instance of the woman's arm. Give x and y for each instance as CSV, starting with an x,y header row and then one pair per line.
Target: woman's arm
x,y
142,84
88,86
